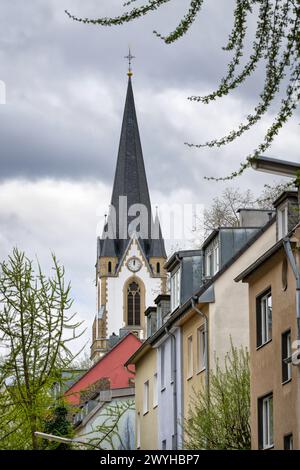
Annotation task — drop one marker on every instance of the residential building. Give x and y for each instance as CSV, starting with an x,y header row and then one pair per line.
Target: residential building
x,y
201,322
105,410
146,401
109,367
217,314
274,310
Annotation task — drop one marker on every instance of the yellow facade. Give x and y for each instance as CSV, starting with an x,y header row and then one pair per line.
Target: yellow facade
x,y
193,370
146,416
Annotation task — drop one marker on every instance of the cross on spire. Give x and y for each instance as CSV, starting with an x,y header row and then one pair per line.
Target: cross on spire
x,y
130,57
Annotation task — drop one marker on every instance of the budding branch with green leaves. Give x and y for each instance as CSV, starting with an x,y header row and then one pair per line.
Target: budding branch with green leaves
x,y
34,321
276,46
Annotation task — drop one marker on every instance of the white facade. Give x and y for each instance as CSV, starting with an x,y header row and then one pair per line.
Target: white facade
x,y
170,410
115,287
123,438
229,314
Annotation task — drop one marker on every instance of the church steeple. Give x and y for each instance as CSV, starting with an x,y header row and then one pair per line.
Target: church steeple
x,y
131,252
130,182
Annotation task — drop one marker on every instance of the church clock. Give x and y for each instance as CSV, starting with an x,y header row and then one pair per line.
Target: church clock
x,y
134,264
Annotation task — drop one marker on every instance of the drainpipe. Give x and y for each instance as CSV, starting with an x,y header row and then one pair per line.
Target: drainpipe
x,y
203,315
295,269
175,413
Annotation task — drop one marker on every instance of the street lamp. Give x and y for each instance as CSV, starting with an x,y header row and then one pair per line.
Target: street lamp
x,y
275,166
63,440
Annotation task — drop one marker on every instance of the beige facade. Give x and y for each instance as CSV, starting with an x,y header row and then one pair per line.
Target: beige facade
x,y
275,276
228,319
193,370
146,399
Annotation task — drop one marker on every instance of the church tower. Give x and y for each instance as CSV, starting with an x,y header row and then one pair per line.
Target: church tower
x,y
131,251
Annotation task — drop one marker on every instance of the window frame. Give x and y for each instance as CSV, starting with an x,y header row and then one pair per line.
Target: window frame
x,y
266,422
190,359
155,390
146,397
264,331
162,367
216,258
134,296
175,288
288,443
283,221
286,353
201,348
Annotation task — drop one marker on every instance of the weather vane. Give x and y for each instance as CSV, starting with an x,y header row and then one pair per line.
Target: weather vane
x,y
130,57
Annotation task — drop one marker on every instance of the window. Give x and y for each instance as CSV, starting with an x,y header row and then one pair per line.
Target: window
x,y
56,391
212,259
216,259
162,367
155,394
158,268
159,316
208,264
264,318
288,442
109,267
265,417
286,353
190,357
134,304
282,222
138,431
175,290
201,348
146,398
173,358
164,445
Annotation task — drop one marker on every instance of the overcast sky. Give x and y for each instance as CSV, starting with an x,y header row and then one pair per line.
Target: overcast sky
x,y
59,132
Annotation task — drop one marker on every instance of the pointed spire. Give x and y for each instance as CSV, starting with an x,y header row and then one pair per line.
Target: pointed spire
x,y
157,245
130,182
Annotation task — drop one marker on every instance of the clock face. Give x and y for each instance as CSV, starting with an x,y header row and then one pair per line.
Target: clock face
x,y
134,264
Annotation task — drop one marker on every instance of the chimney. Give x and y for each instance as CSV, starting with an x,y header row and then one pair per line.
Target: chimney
x,y
254,217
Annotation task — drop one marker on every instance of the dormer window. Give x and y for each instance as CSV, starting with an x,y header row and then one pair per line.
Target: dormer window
x,y
282,215
212,259
208,264
175,290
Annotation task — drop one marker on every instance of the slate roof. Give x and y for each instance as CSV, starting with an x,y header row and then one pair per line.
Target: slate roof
x,y
130,181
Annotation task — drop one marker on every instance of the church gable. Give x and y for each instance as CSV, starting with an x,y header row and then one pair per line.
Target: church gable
x,y
134,259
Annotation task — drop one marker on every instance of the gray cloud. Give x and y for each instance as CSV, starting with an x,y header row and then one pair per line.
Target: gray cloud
x,y
66,85
53,126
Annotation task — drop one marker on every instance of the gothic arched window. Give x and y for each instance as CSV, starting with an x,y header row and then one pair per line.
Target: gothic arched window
x,y
134,305
109,267
158,268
